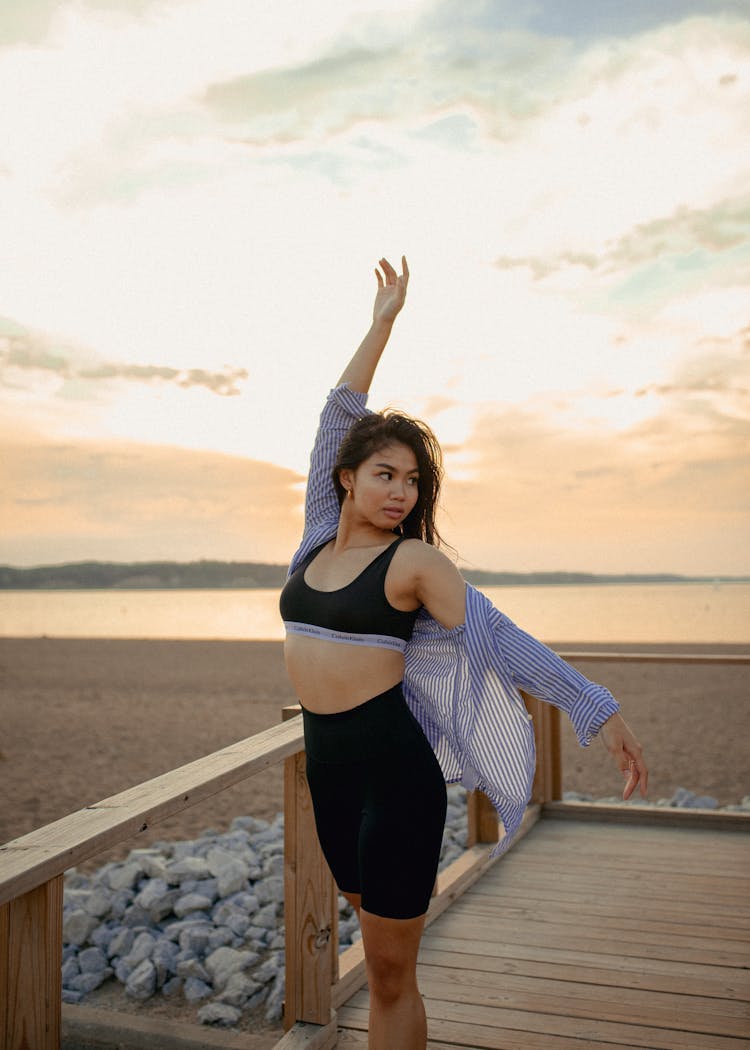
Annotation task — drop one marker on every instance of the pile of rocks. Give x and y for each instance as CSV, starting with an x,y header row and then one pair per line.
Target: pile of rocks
x,y
200,920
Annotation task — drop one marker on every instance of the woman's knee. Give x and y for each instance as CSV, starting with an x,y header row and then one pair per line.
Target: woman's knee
x,y
391,948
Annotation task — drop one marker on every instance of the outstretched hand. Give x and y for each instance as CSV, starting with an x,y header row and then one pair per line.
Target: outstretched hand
x,y
622,745
391,291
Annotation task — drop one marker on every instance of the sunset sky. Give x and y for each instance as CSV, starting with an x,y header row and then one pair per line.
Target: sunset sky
x,y
194,194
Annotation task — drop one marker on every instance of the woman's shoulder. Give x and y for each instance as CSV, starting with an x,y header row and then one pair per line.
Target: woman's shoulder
x,y
423,557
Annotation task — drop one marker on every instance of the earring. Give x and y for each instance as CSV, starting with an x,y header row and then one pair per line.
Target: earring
x,y
349,494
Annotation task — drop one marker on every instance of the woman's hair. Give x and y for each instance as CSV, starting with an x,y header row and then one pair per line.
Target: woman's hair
x,y
379,429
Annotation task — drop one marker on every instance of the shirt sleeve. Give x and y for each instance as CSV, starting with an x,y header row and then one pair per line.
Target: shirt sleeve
x,y
541,672
342,408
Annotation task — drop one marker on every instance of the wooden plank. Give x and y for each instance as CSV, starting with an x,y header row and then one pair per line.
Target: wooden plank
x,y
616,915
574,999
444,1035
35,858
310,906
591,939
547,1025
632,813
715,982
310,1036
31,990
736,978
599,886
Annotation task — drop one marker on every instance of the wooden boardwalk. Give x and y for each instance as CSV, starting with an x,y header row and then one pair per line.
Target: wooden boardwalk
x,y
592,936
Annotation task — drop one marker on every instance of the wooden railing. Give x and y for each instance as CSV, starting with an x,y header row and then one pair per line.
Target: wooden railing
x,y
318,978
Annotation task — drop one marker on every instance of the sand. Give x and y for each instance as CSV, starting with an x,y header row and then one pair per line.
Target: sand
x,y
84,719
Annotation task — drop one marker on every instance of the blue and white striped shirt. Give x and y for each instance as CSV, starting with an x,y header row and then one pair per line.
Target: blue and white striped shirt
x,y
462,684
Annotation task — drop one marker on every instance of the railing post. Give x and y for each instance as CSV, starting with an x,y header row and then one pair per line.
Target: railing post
x,y
30,969
547,785
310,903
481,819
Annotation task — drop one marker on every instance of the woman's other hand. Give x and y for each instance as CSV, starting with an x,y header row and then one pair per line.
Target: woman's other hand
x,y
391,292
620,741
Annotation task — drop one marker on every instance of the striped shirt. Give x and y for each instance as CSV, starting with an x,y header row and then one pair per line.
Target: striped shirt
x,y
462,685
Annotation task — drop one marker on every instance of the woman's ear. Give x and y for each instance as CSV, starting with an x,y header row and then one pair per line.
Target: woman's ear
x,y
346,478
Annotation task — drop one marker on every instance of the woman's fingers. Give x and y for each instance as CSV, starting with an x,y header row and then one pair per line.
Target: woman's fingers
x,y
622,744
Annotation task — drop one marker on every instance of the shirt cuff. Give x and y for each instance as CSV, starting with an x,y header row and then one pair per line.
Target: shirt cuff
x,y
593,707
351,402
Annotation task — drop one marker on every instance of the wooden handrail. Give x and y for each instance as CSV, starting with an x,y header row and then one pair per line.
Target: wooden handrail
x,y
31,860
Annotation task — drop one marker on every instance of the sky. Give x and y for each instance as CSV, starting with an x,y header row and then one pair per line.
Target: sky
x,y
194,195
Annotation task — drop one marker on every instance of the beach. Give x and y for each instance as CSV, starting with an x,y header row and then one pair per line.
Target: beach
x,y
83,719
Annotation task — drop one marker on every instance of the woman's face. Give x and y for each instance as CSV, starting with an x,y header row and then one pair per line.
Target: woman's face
x,y
385,486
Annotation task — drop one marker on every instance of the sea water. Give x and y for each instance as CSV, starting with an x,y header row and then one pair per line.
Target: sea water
x,y
659,612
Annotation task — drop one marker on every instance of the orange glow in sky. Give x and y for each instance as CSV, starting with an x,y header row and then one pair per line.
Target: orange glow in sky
x,y
194,193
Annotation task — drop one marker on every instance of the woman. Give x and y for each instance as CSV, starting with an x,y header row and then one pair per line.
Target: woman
x,y
407,677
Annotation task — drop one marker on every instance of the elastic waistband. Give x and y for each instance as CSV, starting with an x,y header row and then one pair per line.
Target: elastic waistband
x,y
365,731
326,634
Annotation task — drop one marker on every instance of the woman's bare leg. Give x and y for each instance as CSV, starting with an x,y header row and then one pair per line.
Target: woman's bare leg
x,y
397,1016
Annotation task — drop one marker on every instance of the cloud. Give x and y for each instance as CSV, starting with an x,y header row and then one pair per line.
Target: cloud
x,y
22,350
74,500
669,492
719,228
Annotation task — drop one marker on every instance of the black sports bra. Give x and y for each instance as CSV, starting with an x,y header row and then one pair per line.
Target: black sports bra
x,y
357,614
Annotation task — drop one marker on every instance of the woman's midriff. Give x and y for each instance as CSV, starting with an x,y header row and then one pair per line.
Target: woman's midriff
x,y
329,677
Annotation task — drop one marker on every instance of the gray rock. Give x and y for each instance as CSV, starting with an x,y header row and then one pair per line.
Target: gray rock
x,y
98,902
238,990
195,938
124,876
266,917
120,902
191,967
267,971
218,1013
207,888
156,898
231,873
101,936
188,868
270,890
145,856
135,915
122,970
92,960
275,1001
220,937
164,958
142,948
191,902
77,925
194,990
257,1000
121,942
69,996
70,969
224,962
141,984
88,982
172,987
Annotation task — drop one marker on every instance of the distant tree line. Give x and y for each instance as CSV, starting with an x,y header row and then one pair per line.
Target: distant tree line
x,y
145,575
241,575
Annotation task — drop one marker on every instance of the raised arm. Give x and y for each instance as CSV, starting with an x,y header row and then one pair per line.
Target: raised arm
x,y
346,403
389,299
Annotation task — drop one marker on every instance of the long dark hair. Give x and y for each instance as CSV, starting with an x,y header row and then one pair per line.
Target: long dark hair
x,y
378,429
